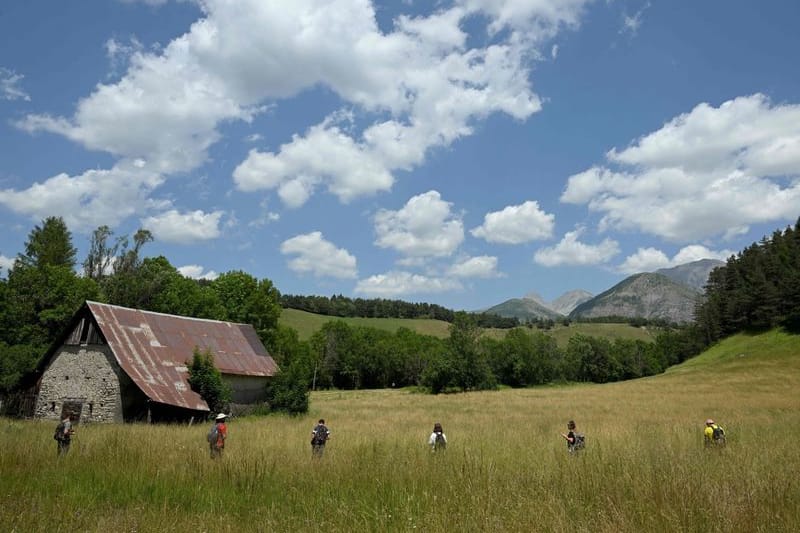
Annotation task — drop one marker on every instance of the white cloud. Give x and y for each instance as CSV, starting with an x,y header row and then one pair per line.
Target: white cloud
x,y
197,272
6,263
394,284
554,51
632,23
516,224
695,252
708,172
184,228
535,20
244,54
418,87
319,257
120,53
324,155
483,266
424,227
570,251
9,86
265,216
644,260
650,259
89,200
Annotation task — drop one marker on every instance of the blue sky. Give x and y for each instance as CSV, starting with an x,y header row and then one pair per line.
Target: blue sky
x,y
454,152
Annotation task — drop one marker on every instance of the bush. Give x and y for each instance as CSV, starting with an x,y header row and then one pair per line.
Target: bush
x,y
206,380
288,391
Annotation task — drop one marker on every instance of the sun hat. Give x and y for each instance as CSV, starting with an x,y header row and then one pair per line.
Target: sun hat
x,y
709,422
221,416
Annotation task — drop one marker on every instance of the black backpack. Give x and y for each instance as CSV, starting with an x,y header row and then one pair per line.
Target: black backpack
x,y
580,441
718,435
439,443
59,434
320,435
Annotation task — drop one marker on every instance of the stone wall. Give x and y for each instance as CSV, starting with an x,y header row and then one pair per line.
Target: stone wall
x,y
84,375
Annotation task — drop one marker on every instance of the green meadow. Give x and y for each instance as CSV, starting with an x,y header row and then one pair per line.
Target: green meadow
x,y
506,467
306,324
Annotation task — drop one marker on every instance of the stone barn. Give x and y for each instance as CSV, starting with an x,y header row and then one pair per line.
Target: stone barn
x,y
116,364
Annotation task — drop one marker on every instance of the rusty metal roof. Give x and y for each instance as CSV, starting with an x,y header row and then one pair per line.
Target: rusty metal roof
x,y
154,349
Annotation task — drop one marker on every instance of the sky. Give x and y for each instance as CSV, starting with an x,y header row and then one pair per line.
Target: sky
x,y
458,152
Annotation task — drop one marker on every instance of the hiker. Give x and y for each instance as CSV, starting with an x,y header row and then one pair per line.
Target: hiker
x,y
575,440
63,434
713,435
319,436
217,436
437,440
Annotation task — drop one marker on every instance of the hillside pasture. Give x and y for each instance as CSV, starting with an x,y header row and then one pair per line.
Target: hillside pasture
x,y
506,467
306,324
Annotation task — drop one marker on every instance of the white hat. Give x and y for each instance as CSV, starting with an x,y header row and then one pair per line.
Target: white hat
x,y
221,416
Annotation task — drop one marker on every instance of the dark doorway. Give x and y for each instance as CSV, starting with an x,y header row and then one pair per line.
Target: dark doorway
x,y
72,409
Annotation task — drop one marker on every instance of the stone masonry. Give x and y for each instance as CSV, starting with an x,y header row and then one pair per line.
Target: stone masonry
x,y
85,375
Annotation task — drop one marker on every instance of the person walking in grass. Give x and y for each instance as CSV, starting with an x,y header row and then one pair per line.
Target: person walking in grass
x,y
713,435
575,440
438,440
217,436
63,434
319,437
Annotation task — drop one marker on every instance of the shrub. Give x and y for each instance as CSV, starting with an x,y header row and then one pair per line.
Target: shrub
x,y
206,380
288,391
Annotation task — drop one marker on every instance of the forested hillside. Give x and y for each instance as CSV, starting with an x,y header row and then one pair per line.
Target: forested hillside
x,y
342,306
757,289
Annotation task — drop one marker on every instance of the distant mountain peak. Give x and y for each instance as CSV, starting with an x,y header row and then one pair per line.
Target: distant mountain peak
x,y
568,301
536,297
645,295
524,309
694,274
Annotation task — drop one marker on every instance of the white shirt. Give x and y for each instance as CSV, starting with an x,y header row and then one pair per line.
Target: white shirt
x,y
432,439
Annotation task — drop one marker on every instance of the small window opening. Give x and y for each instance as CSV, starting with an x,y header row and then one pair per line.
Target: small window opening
x,y
53,406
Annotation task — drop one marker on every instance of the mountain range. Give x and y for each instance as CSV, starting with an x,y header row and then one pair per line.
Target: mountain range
x,y
667,294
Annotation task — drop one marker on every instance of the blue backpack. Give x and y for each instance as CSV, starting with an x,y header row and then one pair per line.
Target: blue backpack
x,y
213,434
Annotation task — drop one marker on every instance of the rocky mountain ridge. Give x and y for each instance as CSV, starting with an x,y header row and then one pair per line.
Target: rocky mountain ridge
x,y
666,294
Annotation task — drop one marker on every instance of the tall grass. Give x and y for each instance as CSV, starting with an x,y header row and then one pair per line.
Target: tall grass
x,y
505,469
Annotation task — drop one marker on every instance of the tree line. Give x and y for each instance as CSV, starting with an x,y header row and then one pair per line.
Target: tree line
x,y
352,357
342,306
757,289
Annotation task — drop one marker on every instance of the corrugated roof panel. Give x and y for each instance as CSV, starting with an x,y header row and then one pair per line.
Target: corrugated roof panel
x,y
153,349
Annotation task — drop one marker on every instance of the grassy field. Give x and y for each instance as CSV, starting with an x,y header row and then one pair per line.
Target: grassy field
x,y
505,469
307,323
